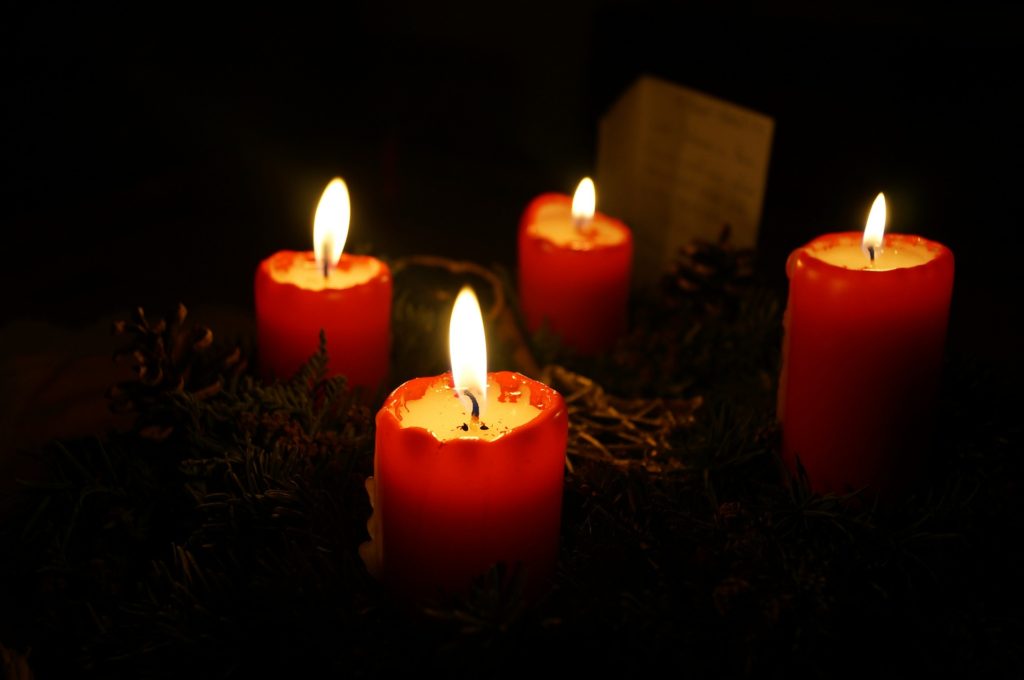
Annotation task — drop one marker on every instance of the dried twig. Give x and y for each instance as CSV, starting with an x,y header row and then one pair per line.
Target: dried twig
x,y
623,432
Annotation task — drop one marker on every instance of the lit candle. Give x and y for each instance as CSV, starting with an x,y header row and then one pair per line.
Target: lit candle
x,y
468,473
574,269
348,297
865,329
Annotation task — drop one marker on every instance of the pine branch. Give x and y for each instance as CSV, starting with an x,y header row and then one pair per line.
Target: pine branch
x,y
224,541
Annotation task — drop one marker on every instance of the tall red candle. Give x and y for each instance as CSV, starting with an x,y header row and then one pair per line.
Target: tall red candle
x,y
348,297
574,270
454,493
865,329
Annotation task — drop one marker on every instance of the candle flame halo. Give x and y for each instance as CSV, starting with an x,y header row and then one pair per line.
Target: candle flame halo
x,y
330,224
584,202
874,230
468,348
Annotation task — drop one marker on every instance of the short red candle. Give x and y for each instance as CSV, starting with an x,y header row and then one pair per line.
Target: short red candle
x,y
351,305
862,358
574,280
454,495
291,310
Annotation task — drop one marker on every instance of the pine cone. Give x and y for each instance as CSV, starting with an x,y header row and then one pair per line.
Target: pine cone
x,y
710,274
169,357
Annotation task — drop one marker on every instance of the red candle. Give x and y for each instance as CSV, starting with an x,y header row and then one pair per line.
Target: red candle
x,y
574,270
865,330
468,473
348,297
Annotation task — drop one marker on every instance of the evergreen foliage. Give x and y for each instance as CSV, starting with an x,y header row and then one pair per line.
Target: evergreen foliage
x,y
219,537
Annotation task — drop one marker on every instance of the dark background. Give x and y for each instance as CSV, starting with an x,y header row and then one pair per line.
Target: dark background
x,y
157,154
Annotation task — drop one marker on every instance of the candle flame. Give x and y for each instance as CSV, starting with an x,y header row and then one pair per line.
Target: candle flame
x,y
468,348
584,201
874,230
330,225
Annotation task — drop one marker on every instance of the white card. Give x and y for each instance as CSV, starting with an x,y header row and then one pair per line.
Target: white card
x,y
676,165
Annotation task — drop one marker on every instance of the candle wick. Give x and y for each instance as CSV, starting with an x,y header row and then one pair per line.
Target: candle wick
x,y
325,256
476,405
871,254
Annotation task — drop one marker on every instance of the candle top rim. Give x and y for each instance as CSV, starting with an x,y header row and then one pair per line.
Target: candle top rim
x,y
843,250
299,268
504,388
549,218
